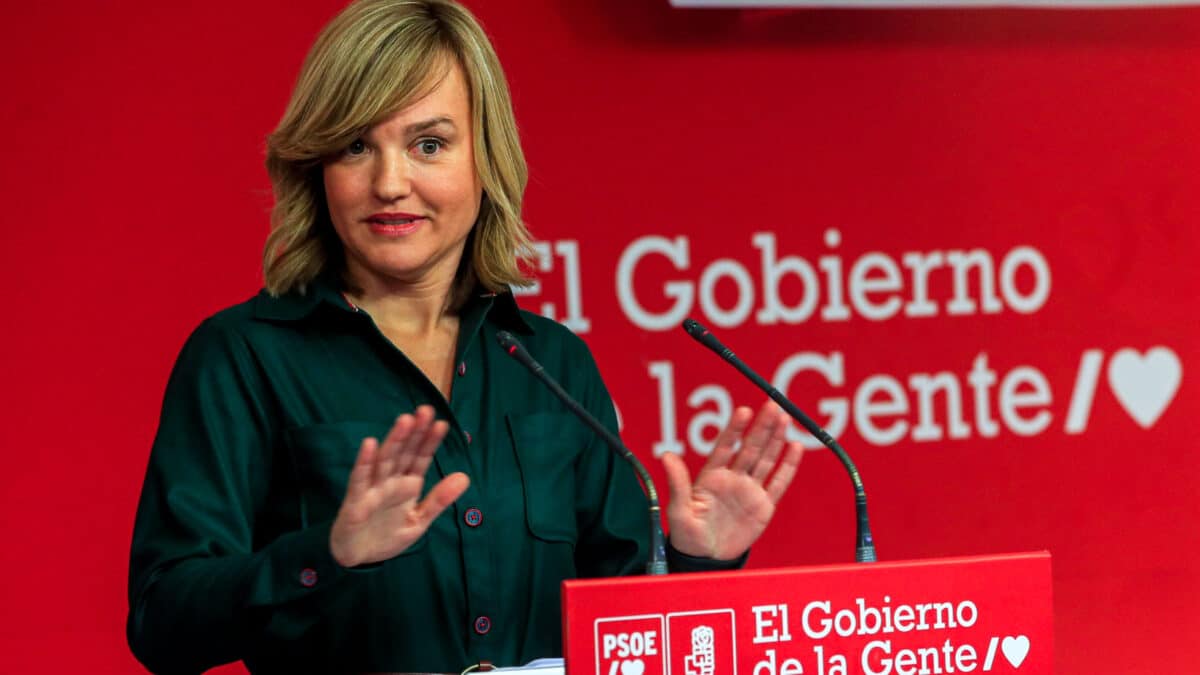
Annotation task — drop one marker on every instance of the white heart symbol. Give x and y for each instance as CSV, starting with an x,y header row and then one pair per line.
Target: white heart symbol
x,y
1015,649
634,667
1145,385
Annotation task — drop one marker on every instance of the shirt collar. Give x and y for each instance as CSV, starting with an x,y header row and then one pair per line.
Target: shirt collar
x,y
325,291
300,304
501,309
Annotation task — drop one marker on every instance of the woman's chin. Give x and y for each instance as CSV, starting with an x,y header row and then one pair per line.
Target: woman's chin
x,y
393,272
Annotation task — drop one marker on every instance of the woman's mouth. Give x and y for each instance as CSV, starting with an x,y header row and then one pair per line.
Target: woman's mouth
x,y
394,224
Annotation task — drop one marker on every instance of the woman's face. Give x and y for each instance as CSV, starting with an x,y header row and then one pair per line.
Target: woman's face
x,y
404,196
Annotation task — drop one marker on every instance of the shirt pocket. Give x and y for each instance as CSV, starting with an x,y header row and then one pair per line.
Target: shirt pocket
x,y
547,445
323,456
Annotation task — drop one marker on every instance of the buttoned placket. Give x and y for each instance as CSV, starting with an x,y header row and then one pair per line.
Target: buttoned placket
x,y
481,584
481,587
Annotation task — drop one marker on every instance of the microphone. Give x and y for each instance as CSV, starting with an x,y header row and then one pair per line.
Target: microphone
x,y
658,551
864,550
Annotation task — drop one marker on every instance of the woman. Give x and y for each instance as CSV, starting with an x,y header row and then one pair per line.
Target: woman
x,y
264,535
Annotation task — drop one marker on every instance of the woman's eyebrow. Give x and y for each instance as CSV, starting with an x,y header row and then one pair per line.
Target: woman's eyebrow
x,y
418,127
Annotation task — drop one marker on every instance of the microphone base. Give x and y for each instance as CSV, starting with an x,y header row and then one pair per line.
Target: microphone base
x,y
865,554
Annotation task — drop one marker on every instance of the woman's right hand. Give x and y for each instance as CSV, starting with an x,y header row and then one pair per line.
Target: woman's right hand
x,y
383,513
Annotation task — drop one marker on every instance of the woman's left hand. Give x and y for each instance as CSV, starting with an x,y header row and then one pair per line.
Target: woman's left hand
x,y
728,507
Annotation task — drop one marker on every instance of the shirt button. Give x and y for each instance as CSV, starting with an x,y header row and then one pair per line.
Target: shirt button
x,y
483,625
308,577
473,517
462,369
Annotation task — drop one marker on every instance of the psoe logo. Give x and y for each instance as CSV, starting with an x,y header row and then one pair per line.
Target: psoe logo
x,y
630,645
701,643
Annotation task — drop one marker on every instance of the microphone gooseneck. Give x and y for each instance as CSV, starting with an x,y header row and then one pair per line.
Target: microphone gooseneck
x,y
658,550
864,550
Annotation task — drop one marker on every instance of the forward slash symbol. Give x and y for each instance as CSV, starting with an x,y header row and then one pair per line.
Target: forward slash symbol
x,y
1085,391
991,655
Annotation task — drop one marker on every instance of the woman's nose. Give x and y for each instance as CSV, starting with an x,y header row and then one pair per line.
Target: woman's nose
x,y
393,177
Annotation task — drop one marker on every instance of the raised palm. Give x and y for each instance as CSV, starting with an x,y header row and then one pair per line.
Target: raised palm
x,y
731,502
382,513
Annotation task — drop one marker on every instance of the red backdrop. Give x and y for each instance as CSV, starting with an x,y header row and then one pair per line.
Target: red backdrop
x,y
1061,148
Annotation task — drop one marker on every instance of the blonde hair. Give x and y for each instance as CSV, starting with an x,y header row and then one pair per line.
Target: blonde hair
x,y
372,59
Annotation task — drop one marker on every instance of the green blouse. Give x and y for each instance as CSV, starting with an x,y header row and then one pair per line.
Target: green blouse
x,y
260,425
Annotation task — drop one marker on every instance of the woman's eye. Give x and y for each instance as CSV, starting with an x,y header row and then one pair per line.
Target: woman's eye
x,y
429,146
357,147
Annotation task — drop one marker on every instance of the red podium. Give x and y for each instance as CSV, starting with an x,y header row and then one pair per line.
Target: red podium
x,y
988,614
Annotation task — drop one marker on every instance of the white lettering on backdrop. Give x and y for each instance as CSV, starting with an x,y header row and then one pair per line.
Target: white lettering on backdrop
x,y
893,4
966,401
875,284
